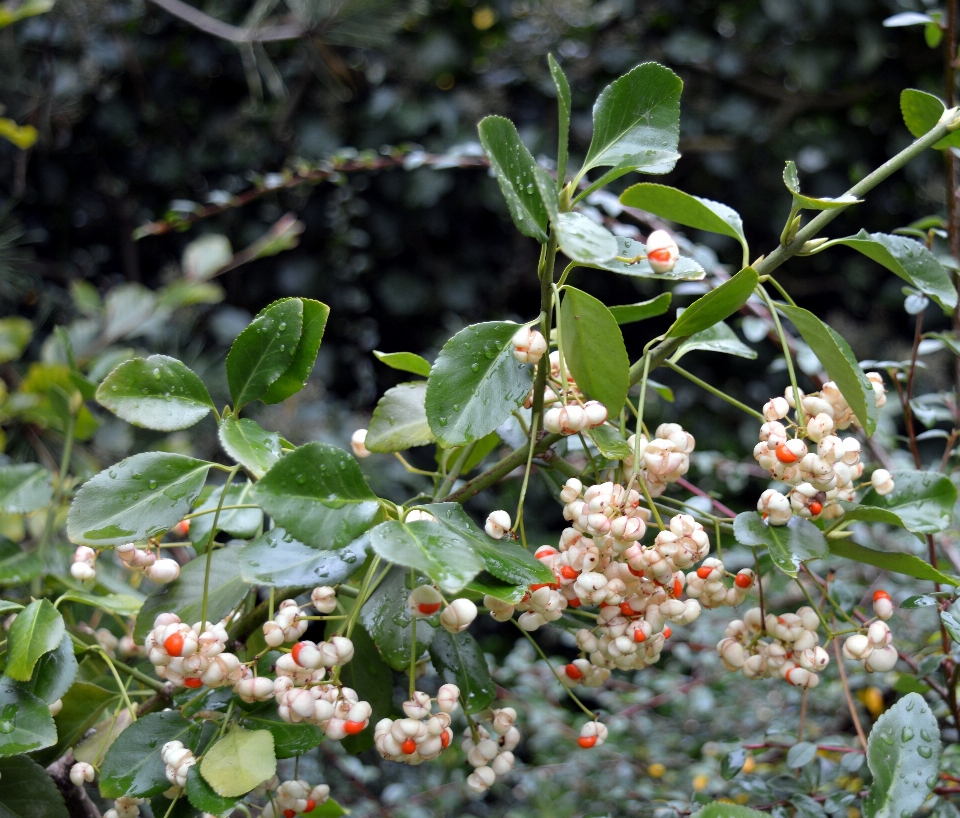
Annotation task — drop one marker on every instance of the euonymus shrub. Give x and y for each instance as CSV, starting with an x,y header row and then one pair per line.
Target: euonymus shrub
x,y
211,680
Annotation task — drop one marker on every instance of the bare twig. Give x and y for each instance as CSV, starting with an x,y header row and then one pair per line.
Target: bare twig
x,y
226,31
77,802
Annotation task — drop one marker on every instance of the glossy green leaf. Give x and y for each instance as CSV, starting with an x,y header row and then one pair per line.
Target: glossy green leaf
x,y
921,113
15,334
184,596
37,630
318,494
686,269
133,765
718,338
26,791
792,181
922,500
593,349
789,545
903,753
25,721
156,393
276,559
289,740
24,487
682,208
405,362
839,361
237,522
53,673
295,376
328,809
636,122
716,305
400,420
264,351
906,258
507,561
610,442
429,548
485,583
631,313
514,167
583,240
120,604
475,383
202,796
386,617
249,444
460,661
563,115
239,761
137,498
372,678
899,563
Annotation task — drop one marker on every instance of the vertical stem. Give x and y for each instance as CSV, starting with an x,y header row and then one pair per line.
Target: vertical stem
x,y
786,353
548,259
526,480
213,534
949,94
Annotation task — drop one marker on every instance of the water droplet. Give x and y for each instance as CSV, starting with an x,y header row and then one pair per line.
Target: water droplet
x,y
926,735
887,738
152,484
910,704
906,734
156,373
456,407
475,366
283,325
137,476
442,421
925,752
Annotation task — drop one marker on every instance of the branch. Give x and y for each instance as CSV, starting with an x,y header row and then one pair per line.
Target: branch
x,y
226,31
76,799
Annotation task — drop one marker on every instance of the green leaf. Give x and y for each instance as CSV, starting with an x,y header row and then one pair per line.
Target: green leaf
x,y
137,498
718,338
83,705
789,545
951,624
514,167
682,208
37,630
610,442
328,809
318,494
249,444
202,796
156,393
459,660
400,420
237,522
903,753
583,240
15,334
922,500
716,305
636,122
486,583
295,376
26,791
921,113
264,351
563,115
25,721
240,761
372,678
475,383
17,566
405,362
932,34
801,754
839,361
507,561
720,809
907,18
120,604
54,672
899,563
133,765
429,548
906,258
184,596
732,763
593,349
289,740
921,601
386,617
792,181
278,560
686,269
24,487
631,313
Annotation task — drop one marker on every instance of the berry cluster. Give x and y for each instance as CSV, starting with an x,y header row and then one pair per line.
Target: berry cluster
x,y
124,807
156,569
422,735
291,798
790,651
660,461
489,750
192,656
874,649
83,566
178,760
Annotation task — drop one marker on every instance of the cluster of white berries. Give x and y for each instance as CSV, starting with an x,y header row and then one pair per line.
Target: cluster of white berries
x,y
83,566
178,760
490,749
124,807
529,345
81,773
124,646
706,584
822,478
792,652
574,417
160,571
291,798
423,734
192,656
874,649
425,600
286,626
661,461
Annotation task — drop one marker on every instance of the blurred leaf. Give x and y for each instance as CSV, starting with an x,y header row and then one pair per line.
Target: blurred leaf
x,y
716,305
721,809
460,661
906,564
920,601
26,790
563,116
789,545
295,376
239,761
631,313
405,362
907,18
922,500
583,240
921,113
718,338
801,754
12,12
205,256
249,444
23,136
732,763
38,629
128,309
243,523
276,559
400,420
24,487
15,334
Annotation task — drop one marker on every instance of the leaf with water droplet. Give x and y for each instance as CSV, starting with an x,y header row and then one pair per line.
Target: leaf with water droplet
x,y
460,661
386,616
24,487
25,721
262,563
400,420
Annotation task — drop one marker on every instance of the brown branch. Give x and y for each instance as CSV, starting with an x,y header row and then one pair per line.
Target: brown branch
x,y
76,799
226,31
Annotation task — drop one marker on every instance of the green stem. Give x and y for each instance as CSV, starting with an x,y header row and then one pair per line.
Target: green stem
x,y
526,475
714,391
213,533
786,353
780,289
413,649
590,714
123,690
219,508
548,260
455,470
